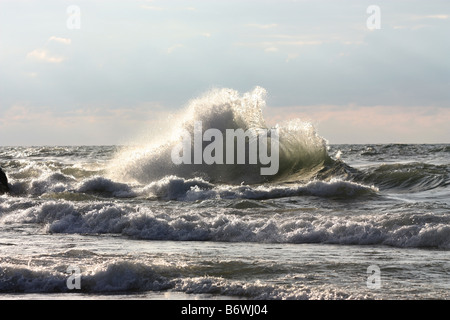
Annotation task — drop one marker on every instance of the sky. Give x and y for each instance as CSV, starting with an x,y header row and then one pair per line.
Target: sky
x,y
97,72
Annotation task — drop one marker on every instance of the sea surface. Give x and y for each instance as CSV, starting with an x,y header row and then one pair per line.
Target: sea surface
x,y
338,222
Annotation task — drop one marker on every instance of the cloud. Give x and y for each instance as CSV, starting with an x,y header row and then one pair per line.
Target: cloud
x,y
153,8
173,48
66,41
438,16
431,16
262,26
44,55
378,124
291,56
24,124
271,49
271,45
416,22
31,74
158,8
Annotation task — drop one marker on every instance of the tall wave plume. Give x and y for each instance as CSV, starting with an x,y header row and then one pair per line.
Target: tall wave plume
x,y
302,152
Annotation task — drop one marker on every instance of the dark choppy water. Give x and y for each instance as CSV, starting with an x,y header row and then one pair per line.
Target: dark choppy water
x,y
386,206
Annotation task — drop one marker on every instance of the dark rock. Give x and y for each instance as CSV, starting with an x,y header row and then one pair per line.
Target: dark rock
x,y
3,182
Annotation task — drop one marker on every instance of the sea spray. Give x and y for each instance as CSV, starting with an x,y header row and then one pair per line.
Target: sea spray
x,y
298,149
232,151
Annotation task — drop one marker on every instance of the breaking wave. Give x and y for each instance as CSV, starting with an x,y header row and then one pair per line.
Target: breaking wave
x,y
133,276
225,224
302,152
176,188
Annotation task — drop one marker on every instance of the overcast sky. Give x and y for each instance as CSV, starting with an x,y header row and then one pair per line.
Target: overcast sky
x,y
99,77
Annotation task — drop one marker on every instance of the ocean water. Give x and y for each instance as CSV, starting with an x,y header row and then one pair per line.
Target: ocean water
x,y
337,222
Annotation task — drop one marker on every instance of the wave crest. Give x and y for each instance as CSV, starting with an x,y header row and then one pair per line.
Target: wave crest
x,y
302,151
176,188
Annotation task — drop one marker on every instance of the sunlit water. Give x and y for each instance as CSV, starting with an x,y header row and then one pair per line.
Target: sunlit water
x,y
304,240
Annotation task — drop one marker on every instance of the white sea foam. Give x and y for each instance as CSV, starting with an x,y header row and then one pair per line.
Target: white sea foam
x,y
104,186
221,224
57,182
176,188
133,276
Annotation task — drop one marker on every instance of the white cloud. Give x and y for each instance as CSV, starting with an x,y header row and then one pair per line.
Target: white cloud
x,y
271,49
31,74
60,40
90,125
262,26
153,8
430,16
173,48
370,124
276,44
437,16
353,42
158,8
291,56
44,55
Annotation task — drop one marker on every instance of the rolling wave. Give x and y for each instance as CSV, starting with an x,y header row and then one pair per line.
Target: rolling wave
x,y
302,152
125,276
405,177
405,228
